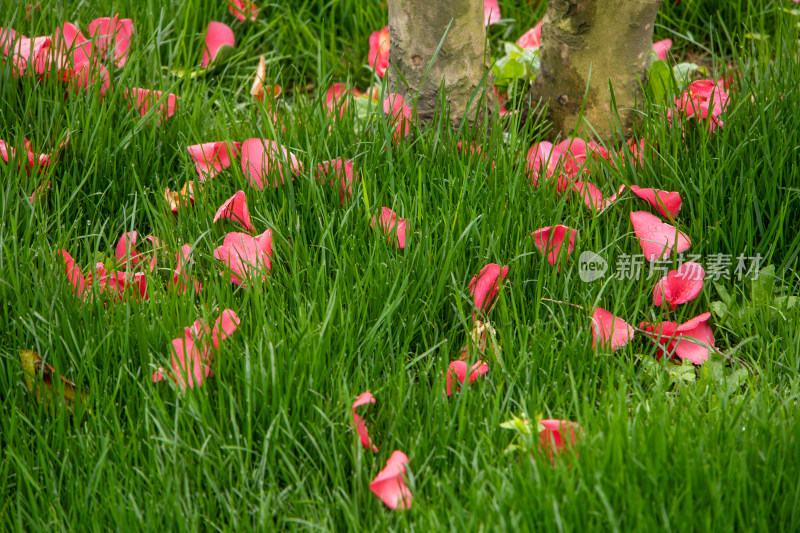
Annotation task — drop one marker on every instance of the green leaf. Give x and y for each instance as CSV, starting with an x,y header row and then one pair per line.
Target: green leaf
x,y
681,373
723,293
763,285
660,81
719,309
683,73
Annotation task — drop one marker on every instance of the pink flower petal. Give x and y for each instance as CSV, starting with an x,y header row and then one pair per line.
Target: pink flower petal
x,y
656,238
211,158
667,203
341,169
235,208
661,48
608,329
390,485
243,9
179,278
491,12
106,32
143,99
74,274
261,156
399,115
531,38
556,434
459,369
126,249
226,324
679,286
485,285
389,220
692,340
549,240
364,398
378,57
217,36
592,196
246,256
190,365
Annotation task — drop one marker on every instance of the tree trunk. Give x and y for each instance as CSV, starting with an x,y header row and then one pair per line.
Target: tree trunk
x,y
415,29
591,43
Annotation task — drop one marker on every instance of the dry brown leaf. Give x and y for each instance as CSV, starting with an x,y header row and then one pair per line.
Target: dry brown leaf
x,y
257,90
40,377
482,339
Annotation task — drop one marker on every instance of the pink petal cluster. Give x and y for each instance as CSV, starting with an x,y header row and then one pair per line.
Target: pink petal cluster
x,y
260,157
341,175
365,398
608,329
550,239
459,370
217,36
679,286
702,100
191,360
656,238
378,57
692,340
484,287
246,256
388,223
235,208
118,284
390,484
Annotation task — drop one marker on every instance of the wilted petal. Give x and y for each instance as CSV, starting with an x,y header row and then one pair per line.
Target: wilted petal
x,y
390,485
459,369
549,240
364,398
217,36
235,208
667,203
656,238
262,156
610,330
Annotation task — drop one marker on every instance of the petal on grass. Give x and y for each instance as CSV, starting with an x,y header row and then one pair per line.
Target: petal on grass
x,y
656,238
365,398
608,329
217,36
459,370
484,287
262,157
235,208
390,484
550,239
679,286
667,203
389,220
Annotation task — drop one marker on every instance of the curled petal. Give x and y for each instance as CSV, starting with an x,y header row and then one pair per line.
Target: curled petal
x,y
389,220
485,285
365,398
217,36
667,203
390,485
459,370
235,208
550,239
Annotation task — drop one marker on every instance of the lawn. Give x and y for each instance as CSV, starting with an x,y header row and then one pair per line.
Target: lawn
x,y
267,440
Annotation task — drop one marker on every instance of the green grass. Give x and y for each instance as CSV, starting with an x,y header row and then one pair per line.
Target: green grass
x,y
267,444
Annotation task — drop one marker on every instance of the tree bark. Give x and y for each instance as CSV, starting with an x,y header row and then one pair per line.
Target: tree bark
x,y
591,44
416,28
